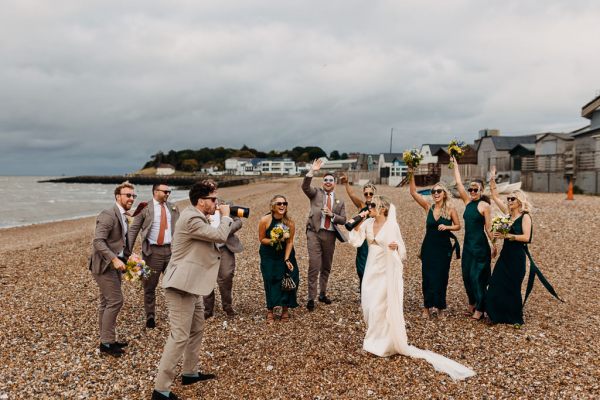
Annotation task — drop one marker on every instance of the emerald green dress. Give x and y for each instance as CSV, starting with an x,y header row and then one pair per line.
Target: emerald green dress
x,y
362,253
503,298
436,254
476,257
272,267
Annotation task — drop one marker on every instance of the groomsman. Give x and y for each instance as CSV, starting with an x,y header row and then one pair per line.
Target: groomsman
x,y
326,212
156,222
109,254
191,274
226,268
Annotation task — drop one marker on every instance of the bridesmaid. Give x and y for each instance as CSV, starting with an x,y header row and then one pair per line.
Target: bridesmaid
x,y
369,190
476,257
504,303
275,262
436,250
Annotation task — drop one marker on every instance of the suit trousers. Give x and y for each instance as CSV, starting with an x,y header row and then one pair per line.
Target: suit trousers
x,y
225,283
111,301
157,261
321,246
186,320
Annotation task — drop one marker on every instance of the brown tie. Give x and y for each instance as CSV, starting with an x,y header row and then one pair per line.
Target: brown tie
x,y
163,225
328,218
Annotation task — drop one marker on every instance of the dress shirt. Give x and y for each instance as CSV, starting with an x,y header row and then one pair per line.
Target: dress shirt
x,y
331,194
155,228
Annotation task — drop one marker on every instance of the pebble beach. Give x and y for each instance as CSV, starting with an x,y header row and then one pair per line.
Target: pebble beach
x,y
49,333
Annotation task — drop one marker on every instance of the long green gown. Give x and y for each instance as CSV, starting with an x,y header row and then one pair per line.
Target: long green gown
x,y
503,301
436,254
272,267
362,253
476,257
503,298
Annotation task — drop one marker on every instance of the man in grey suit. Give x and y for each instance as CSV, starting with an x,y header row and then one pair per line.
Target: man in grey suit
x,y
191,274
157,234
226,269
326,212
109,254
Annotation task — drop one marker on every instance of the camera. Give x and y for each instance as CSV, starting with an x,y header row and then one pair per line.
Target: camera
x,y
356,220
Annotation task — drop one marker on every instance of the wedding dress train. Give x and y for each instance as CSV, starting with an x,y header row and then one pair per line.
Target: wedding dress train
x,y
383,295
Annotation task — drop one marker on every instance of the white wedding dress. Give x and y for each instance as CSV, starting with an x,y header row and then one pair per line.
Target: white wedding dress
x,y
383,295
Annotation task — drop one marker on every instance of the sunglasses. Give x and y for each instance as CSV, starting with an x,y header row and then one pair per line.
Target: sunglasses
x,y
281,203
213,199
371,205
437,191
511,199
328,180
369,194
129,195
164,191
472,190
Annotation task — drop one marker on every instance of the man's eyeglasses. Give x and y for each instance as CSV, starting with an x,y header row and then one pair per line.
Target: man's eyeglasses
x,y
128,195
369,194
213,199
328,180
473,190
164,191
281,203
511,199
437,191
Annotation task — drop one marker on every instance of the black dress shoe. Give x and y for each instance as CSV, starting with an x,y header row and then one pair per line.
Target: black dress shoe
x,y
188,380
159,396
324,299
150,323
121,344
111,350
230,313
310,305
207,315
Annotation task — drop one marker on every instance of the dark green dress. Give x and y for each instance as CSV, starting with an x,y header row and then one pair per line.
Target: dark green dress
x,y
476,257
436,254
361,261
503,301
272,267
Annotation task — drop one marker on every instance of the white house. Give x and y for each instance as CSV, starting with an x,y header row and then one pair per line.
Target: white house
x,y
392,168
165,169
243,166
429,151
278,166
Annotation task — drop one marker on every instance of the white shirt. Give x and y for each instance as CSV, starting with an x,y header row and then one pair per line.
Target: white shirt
x,y
125,225
215,221
155,228
331,228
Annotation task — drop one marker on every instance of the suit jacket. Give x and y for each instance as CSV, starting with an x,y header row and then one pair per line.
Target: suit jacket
x,y
195,259
233,243
108,240
316,196
143,222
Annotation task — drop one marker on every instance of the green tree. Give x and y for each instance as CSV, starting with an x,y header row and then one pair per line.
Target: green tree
x,y
334,155
189,165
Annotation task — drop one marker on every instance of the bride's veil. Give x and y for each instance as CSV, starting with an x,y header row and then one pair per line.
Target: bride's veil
x,y
392,232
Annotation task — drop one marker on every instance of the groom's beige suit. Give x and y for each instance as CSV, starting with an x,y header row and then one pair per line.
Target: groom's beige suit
x,y
191,274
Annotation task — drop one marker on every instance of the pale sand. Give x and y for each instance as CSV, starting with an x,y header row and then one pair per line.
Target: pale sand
x,y
48,330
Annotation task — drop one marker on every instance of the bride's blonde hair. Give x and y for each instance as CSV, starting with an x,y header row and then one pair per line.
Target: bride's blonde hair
x,y
382,203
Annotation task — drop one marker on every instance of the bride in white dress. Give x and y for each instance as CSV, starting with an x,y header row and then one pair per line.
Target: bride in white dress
x,y
383,290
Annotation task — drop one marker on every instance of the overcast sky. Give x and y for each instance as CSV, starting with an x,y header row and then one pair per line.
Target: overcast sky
x,y
96,87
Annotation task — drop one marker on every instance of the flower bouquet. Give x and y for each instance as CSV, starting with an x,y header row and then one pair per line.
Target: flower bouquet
x,y
501,224
456,149
412,159
136,269
279,234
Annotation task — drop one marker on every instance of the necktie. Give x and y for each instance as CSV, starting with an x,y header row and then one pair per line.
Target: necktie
x,y
328,218
163,225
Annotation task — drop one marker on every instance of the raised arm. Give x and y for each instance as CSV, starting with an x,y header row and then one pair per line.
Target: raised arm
x,y
355,199
308,190
494,192
459,184
413,191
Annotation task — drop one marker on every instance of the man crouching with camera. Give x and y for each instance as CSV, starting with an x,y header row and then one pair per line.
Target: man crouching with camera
x,y
191,274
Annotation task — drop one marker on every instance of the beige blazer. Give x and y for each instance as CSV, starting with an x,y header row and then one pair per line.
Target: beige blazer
x,y
233,243
108,240
195,259
143,222
316,196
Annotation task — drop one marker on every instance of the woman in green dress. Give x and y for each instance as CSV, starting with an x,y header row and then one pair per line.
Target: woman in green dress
x,y
369,190
504,303
437,248
476,254
278,258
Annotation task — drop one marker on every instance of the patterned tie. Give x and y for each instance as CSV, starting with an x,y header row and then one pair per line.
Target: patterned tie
x,y
163,225
328,218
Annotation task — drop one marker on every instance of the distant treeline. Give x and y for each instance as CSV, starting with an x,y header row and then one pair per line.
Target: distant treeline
x,y
193,160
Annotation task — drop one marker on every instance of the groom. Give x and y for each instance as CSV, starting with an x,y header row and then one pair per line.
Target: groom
x,y
326,212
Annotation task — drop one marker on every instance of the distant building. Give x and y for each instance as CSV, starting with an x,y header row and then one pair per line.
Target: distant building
x,y
340,165
258,166
165,169
495,150
392,168
278,166
467,164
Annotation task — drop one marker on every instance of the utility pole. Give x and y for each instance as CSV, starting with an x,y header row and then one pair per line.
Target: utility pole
x,y
391,137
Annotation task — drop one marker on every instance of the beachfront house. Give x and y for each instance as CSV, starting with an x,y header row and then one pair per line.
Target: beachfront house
x,y
494,149
165,169
242,166
278,166
467,164
392,168
340,165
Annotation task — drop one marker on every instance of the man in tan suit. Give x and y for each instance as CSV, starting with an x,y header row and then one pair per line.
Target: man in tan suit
x,y
326,212
109,253
226,269
191,274
157,234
